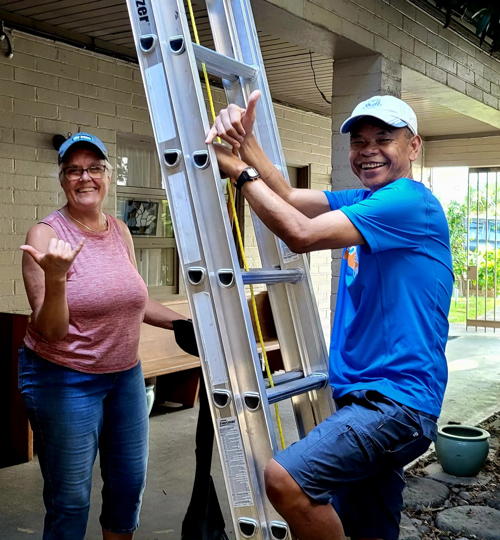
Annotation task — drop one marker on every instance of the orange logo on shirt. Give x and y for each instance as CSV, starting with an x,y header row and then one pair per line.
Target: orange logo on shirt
x,y
351,255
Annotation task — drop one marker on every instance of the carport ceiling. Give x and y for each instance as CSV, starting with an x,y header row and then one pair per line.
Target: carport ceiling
x,y
103,25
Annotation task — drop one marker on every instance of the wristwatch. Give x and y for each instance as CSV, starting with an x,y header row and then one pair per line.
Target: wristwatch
x,y
247,175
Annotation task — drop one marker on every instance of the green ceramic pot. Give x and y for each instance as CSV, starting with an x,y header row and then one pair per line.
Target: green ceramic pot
x,y
462,450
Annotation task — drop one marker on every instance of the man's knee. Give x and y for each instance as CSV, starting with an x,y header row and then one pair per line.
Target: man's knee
x,y
279,484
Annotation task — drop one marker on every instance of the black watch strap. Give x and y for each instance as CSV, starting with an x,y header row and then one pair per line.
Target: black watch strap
x,y
247,175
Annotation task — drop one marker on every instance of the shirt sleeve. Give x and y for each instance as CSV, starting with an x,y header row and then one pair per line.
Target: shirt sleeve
x,y
346,197
393,217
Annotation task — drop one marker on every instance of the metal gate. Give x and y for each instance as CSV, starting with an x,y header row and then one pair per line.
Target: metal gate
x,y
483,249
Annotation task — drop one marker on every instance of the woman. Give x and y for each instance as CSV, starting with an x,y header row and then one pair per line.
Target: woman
x,y
79,371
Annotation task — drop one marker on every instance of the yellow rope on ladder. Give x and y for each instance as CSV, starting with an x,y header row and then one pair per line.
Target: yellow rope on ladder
x,y
239,238
255,313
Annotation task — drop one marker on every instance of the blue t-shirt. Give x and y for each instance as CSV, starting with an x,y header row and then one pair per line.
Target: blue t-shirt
x,y
391,326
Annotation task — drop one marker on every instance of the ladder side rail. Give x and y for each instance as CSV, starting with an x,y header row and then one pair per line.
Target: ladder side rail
x,y
226,42
167,141
203,181
230,303
239,14
187,229
204,185
224,304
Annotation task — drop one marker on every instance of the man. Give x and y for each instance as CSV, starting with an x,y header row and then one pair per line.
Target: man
x,y
387,363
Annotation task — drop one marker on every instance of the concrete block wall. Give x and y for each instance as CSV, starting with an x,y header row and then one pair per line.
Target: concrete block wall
x,y
403,33
306,139
49,88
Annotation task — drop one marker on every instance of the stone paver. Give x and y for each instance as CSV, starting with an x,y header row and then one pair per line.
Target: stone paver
x,y
424,493
435,472
479,521
494,500
407,530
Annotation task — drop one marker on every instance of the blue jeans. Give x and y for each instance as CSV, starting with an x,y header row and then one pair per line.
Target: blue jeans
x,y
73,415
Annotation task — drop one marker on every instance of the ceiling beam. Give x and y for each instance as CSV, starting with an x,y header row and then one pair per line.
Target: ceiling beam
x,y
485,135
420,85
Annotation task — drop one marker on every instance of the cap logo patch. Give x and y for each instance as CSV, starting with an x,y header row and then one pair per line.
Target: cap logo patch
x,y
372,103
82,138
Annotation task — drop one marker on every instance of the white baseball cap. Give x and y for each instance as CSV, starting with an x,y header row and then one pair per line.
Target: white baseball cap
x,y
389,109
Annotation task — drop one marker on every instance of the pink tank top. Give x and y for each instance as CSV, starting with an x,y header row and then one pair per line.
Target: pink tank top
x,y
106,299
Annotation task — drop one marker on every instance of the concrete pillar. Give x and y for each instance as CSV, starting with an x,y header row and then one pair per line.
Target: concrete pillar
x,y
355,79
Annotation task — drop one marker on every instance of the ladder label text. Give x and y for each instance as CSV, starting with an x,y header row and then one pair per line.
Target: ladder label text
x,y
234,460
142,10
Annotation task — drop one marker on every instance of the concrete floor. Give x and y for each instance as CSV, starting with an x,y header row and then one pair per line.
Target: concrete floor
x,y
473,394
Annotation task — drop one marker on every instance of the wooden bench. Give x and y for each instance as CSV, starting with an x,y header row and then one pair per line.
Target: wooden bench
x,y
175,373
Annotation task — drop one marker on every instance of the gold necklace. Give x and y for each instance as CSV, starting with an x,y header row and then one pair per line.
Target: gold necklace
x,y
86,226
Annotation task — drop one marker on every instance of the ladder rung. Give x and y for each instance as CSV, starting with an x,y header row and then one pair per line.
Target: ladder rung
x,y
315,381
223,66
282,378
272,276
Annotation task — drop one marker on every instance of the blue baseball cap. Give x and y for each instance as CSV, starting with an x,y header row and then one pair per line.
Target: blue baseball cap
x,y
85,139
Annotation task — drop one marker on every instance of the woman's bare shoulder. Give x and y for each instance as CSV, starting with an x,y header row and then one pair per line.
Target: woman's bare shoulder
x,y
40,232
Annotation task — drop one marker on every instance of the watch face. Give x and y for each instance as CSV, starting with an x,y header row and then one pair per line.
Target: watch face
x,y
252,173
247,175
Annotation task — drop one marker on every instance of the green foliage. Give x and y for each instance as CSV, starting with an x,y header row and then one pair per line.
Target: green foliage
x,y
456,216
477,307
488,270
121,170
483,197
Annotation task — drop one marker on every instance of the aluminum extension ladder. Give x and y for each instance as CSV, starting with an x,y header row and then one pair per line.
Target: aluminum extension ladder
x,y
239,399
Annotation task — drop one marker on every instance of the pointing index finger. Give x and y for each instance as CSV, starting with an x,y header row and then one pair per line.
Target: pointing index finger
x,y
253,99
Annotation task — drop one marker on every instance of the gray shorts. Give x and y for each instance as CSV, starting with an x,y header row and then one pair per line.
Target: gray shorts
x,y
354,461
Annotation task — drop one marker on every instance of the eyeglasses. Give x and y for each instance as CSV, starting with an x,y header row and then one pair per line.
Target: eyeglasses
x,y
96,172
